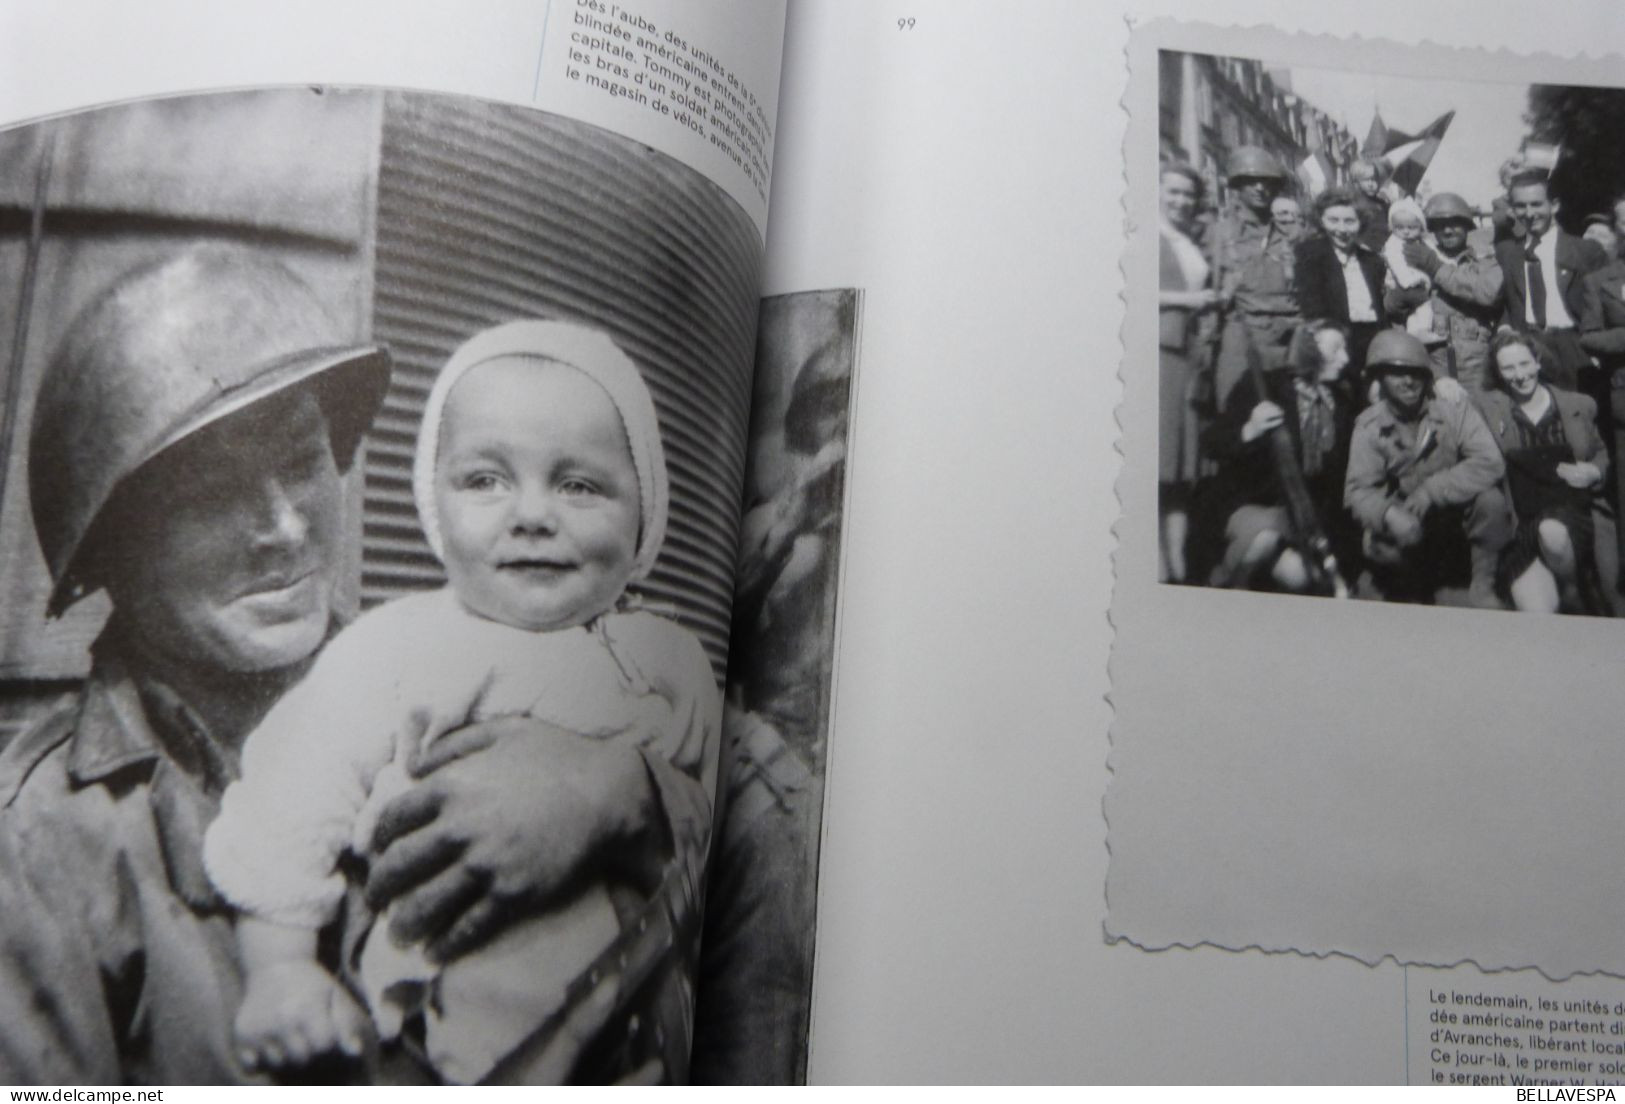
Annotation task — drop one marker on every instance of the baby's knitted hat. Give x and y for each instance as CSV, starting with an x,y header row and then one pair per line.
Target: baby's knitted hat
x,y
589,351
1406,208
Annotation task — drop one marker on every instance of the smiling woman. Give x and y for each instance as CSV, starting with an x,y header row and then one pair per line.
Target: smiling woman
x,y
1555,459
1339,279
1183,296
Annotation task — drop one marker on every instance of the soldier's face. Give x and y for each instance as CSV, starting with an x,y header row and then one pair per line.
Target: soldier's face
x,y
1619,219
1451,234
1257,192
1533,206
1404,390
227,543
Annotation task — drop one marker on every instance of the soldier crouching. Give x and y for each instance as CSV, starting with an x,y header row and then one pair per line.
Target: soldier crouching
x,y
1424,482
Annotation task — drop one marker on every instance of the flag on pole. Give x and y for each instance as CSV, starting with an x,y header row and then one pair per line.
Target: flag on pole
x,y
1315,171
1409,155
1376,139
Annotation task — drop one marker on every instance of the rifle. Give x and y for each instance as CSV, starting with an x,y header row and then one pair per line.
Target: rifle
x,y
1307,536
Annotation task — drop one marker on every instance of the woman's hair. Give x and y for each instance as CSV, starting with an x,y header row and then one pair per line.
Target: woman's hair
x,y
1336,197
1506,339
1189,172
1303,353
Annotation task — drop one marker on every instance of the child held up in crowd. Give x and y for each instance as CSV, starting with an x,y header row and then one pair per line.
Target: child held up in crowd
x,y
1406,224
541,484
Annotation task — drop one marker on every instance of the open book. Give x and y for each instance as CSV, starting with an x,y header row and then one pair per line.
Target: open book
x,y
943,188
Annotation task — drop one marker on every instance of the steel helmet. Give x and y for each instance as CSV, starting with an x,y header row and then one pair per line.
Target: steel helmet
x,y
1397,349
1448,205
1253,161
167,349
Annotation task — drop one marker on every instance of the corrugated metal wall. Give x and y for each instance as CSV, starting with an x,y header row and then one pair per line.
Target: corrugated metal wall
x,y
488,213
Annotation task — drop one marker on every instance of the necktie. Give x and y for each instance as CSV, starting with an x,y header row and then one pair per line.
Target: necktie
x,y
1535,278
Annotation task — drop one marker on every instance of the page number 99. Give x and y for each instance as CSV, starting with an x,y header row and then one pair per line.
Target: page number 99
x,y
906,23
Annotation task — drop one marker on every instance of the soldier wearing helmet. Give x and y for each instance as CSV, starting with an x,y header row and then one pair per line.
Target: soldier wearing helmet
x,y
1255,270
1466,291
1424,482
185,456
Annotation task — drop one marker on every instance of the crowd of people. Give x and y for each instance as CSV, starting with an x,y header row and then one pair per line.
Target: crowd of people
x,y
1367,394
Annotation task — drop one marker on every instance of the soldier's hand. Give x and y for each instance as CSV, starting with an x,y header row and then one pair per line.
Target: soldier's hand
x,y
1404,526
1418,255
1265,417
507,816
1402,300
1207,299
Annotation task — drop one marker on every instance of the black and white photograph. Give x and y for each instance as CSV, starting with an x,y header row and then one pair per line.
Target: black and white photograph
x,y
757,962
1379,370
1391,335
371,470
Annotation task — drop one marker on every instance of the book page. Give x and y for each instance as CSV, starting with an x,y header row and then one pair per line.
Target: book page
x,y
1366,789
966,171
755,984
697,82
370,474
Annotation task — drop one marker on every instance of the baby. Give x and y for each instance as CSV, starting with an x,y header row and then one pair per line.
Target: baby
x,y
1406,224
541,484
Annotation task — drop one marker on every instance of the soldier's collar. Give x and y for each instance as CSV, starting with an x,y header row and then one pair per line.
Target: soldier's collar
x,y
111,731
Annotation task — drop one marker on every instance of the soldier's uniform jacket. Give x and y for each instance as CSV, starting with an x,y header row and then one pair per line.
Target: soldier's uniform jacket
x,y
1447,457
118,963
1466,305
1256,262
1257,270
117,960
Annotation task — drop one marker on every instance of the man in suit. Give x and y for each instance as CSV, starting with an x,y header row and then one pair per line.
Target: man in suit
x,y
1543,280
1339,278
1602,333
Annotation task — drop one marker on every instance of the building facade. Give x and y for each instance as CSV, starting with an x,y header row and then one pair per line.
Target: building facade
x,y
1210,105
